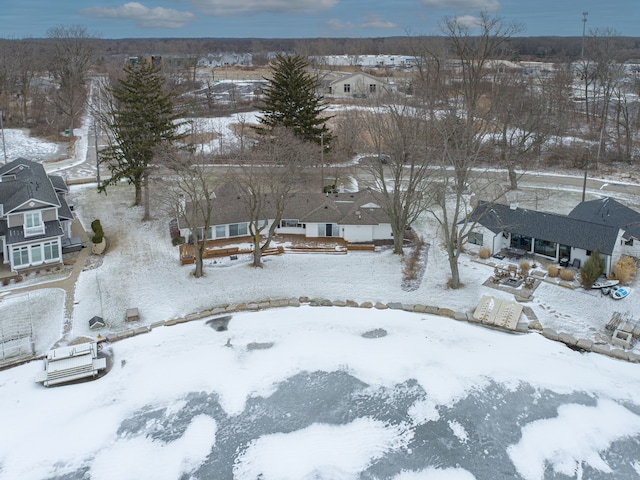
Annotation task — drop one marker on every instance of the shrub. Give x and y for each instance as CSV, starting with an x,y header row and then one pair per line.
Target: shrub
x,y
525,267
566,274
592,269
624,269
552,270
484,253
98,234
177,241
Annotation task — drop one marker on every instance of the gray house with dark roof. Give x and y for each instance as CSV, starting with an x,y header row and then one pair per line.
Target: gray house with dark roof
x,y
554,236
34,215
353,216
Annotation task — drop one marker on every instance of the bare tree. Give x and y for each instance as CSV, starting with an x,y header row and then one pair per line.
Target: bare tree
x,y
271,174
401,171
457,114
188,196
73,55
517,112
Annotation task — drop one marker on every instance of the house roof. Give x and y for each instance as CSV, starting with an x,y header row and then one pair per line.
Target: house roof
x,y
606,211
552,227
24,181
357,75
357,208
52,229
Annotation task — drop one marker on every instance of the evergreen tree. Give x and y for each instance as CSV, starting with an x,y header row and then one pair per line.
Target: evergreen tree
x,y
141,118
291,101
592,269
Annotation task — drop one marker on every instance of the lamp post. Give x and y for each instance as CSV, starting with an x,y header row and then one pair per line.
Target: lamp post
x,y
585,159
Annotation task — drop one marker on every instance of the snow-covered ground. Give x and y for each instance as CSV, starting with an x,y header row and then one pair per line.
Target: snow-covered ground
x,y
431,398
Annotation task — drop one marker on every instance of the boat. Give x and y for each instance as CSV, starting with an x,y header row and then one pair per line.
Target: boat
x,y
604,283
618,292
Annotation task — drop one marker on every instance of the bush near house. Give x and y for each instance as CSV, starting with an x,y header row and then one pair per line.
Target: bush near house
x,y
98,234
624,269
525,266
484,253
552,270
567,275
592,269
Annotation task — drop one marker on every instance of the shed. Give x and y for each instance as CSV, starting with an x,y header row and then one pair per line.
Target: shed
x,y
96,322
66,364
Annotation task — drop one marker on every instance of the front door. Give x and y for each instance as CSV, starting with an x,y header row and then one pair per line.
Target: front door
x,y
329,230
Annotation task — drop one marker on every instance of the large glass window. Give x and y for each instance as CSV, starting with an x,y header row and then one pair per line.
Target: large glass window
x,y
328,230
36,253
544,247
238,229
221,231
51,251
520,241
20,256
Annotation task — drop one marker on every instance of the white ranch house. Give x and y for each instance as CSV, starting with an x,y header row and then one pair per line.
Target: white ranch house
x,y
602,224
355,217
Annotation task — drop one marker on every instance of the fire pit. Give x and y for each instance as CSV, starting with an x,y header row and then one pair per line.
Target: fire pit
x,y
512,282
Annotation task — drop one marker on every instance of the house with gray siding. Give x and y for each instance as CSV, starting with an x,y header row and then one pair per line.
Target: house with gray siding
x,y
34,215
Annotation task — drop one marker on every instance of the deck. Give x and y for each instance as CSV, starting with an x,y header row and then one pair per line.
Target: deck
x,y
280,244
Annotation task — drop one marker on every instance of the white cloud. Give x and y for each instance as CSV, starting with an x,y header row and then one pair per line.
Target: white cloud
x,y
237,7
370,21
466,5
468,21
144,17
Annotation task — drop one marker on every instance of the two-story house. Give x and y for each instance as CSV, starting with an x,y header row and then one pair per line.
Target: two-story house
x,y
34,215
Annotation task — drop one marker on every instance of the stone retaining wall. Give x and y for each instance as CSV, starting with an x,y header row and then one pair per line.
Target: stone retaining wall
x,y
566,338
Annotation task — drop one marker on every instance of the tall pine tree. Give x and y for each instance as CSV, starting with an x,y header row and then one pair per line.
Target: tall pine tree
x,y
141,117
290,100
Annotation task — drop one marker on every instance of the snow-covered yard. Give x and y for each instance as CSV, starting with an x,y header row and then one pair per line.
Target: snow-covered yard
x,y
300,393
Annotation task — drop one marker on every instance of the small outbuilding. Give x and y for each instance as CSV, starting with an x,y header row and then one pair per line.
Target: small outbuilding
x,y
96,322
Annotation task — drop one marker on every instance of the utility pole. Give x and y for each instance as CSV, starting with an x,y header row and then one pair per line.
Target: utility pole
x,y
4,146
585,160
584,26
322,159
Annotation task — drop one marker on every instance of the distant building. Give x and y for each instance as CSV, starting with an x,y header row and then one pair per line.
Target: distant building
x,y
355,85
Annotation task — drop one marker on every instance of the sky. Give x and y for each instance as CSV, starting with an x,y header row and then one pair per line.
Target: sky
x,y
306,18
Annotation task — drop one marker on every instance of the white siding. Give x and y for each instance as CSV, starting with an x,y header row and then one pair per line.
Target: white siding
x,y
357,233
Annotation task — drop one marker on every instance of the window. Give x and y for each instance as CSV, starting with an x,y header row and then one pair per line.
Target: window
x,y
628,243
290,224
347,87
221,231
237,229
476,238
520,241
20,256
328,230
33,224
372,88
51,251
36,254
544,247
